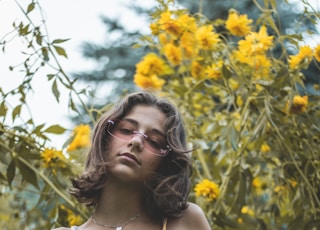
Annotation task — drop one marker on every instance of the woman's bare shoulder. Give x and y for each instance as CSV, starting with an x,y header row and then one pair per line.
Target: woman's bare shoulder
x,y
192,218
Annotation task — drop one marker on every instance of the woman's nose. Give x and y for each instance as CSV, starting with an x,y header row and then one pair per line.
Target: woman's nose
x,y
137,142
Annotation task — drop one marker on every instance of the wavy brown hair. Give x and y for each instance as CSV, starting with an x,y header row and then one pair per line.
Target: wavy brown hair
x,y
167,191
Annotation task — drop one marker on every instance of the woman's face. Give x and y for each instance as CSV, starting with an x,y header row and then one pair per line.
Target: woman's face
x,y
133,158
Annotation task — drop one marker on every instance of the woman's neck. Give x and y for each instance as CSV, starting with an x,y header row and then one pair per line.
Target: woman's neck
x,y
119,202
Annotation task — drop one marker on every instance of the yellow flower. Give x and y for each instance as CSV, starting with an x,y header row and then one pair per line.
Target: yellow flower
x,y
306,52
294,61
188,44
240,220
81,137
278,189
256,43
284,189
299,105
247,210
187,23
169,25
173,54
317,53
234,85
148,82
214,71
197,70
265,148
259,63
151,64
304,57
73,220
256,182
52,158
163,38
155,30
208,189
239,101
240,57
238,25
293,183
206,38
259,185
259,87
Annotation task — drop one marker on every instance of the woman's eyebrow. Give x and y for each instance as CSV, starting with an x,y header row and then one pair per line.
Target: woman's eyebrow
x,y
153,130
134,122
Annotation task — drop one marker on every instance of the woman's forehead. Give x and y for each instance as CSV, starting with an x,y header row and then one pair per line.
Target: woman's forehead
x,y
147,116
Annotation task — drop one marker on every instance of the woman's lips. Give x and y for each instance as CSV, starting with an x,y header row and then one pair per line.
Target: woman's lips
x,y
131,156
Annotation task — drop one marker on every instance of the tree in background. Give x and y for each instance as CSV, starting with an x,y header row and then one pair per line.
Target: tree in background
x,y
253,123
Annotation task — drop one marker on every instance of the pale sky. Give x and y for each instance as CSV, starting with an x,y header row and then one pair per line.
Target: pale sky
x,y
78,20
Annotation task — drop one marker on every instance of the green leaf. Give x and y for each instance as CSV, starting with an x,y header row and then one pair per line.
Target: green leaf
x,y
38,128
28,174
59,41
23,30
61,51
72,105
39,39
11,171
233,138
30,7
27,154
50,76
56,129
55,90
16,112
3,109
226,72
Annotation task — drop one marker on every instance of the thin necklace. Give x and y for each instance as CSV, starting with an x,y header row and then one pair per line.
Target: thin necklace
x,y
113,226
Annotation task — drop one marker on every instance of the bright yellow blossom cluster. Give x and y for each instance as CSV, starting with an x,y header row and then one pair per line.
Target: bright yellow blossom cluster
x,y
299,105
264,148
282,189
206,37
52,158
148,70
213,71
181,40
259,184
73,220
253,52
237,24
303,58
81,137
247,210
208,189
185,43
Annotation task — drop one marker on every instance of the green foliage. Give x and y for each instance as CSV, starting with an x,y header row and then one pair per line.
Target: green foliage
x,y
251,137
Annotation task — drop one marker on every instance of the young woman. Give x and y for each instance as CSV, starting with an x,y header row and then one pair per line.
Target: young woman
x,y
138,169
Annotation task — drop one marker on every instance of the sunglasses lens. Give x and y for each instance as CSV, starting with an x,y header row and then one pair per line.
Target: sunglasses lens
x,y
125,131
